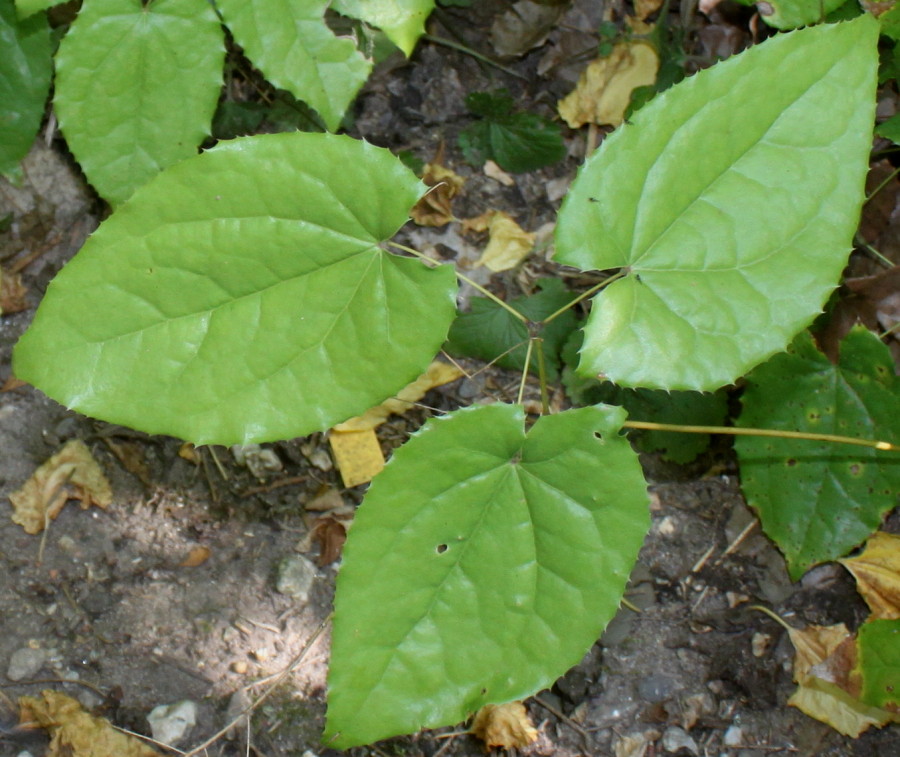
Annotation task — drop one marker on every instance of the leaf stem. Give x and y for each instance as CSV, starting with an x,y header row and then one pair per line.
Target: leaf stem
x,y
778,434
525,372
542,375
860,242
474,284
469,51
883,184
584,295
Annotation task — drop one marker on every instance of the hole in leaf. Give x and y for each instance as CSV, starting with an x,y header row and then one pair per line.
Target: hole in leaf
x,y
440,549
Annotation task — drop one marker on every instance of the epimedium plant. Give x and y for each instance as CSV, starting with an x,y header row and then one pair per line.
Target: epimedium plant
x,y
248,294
137,81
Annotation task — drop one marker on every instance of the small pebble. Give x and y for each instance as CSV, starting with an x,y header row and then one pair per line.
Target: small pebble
x,y
676,738
734,736
25,663
170,723
295,577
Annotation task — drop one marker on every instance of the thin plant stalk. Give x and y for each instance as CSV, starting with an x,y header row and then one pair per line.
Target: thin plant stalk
x,y
584,295
774,433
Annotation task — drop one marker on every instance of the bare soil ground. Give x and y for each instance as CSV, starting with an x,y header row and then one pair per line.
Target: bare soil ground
x,y
109,606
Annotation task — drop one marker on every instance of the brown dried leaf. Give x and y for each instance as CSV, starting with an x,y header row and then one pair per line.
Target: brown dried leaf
x,y
74,732
434,209
72,473
131,455
523,27
330,533
604,88
12,293
506,726
12,383
877,574
646,8
188,452
197,556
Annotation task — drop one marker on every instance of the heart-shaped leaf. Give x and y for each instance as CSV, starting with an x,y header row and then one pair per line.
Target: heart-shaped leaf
x,y
483,578
241,296
295,49
818,500
730,203
136,87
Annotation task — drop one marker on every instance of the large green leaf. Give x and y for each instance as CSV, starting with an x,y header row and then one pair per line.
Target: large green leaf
x,y
402,21
879,662
241,296
291,44
818,500
24,82
136,87
730,202
483,578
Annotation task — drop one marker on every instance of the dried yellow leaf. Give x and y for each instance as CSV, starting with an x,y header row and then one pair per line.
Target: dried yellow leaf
x,y
645,8
74,732
825,667
438,374
72,473
506,726
604,87
508,244
358,455
877,574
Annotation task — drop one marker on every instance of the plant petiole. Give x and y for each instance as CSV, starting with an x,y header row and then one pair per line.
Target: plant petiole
x,y
775,433
584,295
474,284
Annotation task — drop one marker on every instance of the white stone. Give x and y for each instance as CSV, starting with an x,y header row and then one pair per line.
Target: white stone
x,y
170,723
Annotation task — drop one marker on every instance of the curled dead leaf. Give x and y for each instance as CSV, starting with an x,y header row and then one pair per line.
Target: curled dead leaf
x,y
434,209
72,473
197,556
877,574
508,244
605,86
12,293
506,726
76,733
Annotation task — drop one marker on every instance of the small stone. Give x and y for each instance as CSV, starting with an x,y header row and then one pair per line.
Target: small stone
x,y
675,739
295,577
170,723
240,666
734,736
25,663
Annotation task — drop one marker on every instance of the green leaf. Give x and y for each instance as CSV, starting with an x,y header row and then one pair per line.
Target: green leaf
x,y
890,23
789,14
879,662
656,406
818,500
25,68
517,142
730,202
488,330
241,296
403,21
890,129
482,579
290,42
26,8
136,87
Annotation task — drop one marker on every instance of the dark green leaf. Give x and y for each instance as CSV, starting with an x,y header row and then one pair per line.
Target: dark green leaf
x,y
879,663
488,330
818,500
24,81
